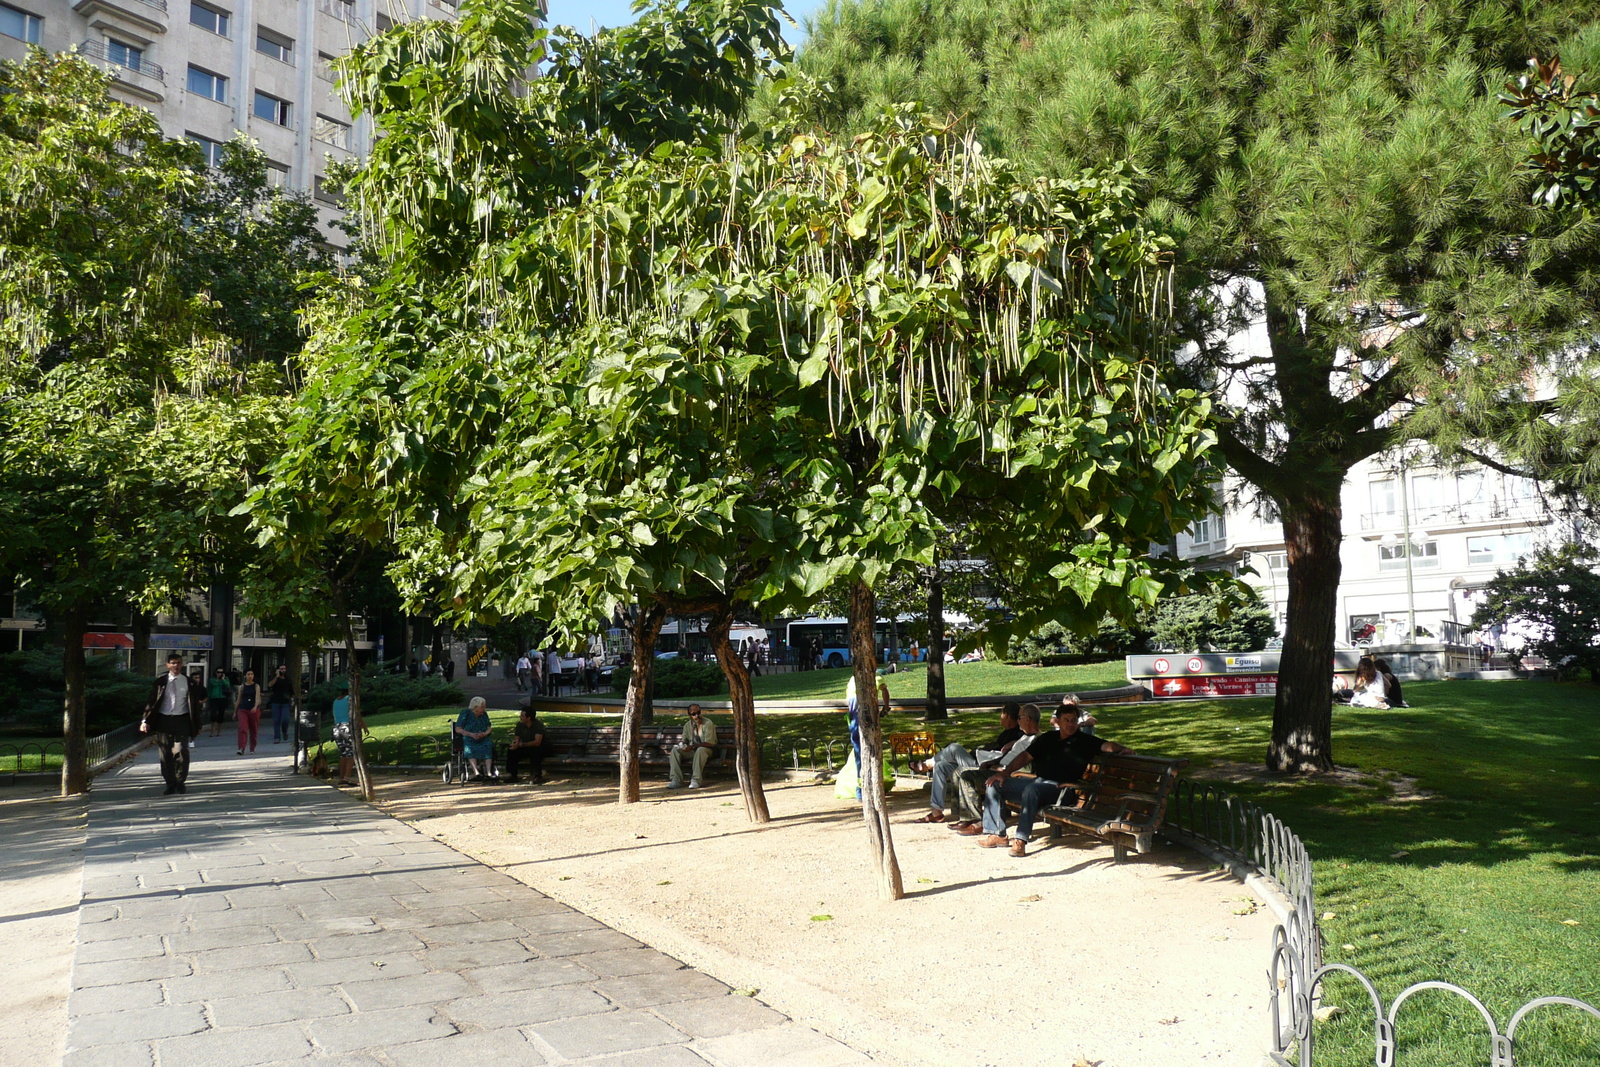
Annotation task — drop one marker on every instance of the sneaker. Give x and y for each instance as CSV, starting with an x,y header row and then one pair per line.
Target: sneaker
x,y
240,752
171,789
992,840
674,785
1019,847
696,785
182,788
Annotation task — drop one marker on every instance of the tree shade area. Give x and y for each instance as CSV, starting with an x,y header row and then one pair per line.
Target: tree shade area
x,y
1338,177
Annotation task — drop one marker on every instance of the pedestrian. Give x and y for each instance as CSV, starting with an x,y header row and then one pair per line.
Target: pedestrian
x,y
552,667
248,711
344,737
450,669
524,673
280,696
536,681
172,714
219,695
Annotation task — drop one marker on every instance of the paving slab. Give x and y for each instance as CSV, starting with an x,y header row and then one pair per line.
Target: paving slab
x,y
264,918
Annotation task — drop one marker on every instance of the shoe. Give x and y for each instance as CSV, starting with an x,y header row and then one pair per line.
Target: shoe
x,y
696,785
969,829
1019,847
182,788
992,840
931,816
346,781
674,785
241,752
171,789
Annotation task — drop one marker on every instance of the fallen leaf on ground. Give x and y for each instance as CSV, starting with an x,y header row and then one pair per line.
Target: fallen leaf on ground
x,y
1029,899
1084,1061
1326,1012
822,918
665,881
1328,915
1348,948
1168,1022
748,991
1402,854
1569,922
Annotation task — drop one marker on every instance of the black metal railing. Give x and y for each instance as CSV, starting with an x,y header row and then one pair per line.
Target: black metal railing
x,y
97,50
28,757
1247,834
103,746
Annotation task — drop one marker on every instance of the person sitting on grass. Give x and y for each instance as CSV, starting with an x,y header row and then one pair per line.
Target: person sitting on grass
x,y
954,757
1369,688
477,740
699,737
527,746
1056,757
1391,684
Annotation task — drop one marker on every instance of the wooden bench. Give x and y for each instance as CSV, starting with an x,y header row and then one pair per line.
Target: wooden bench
x,y
908,748
1121,800
599,746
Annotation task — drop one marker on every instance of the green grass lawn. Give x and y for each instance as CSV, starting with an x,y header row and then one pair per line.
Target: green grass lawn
x,y
987,678
22,754
1490,880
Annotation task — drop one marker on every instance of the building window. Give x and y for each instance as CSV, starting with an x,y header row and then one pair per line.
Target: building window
x,y
385,23
212,150
1498,549
325,67
1274,564
342,10
20,24
277,175
1393,557
1520,490
443,5
275,45
209,18
124,54
332,131
1384,501
209,85
327,191
1427,494
272,109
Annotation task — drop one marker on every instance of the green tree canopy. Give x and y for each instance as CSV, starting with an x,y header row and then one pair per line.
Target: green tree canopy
x,y
1359,260
1555,594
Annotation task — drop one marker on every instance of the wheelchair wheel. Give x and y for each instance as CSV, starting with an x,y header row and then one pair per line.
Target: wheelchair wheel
x,y
445,775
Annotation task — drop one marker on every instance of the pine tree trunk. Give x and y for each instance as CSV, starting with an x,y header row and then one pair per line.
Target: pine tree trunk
x,y
936,710
74,716
1302,716
747,747
646,626
863,658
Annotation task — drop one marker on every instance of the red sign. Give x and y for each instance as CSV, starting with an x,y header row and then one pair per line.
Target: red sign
x,y
1215,686
106,640
1161,666
1196,664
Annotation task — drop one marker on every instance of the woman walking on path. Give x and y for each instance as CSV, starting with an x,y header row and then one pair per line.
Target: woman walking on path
x,y
249,711
477,742
219,694
280,695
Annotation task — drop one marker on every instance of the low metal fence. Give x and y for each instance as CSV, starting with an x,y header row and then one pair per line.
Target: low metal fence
x,y
819,755
28,757
103,746
1247,834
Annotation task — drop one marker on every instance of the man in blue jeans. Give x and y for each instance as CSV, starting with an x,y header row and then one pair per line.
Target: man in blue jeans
x,y
280,694
1055,757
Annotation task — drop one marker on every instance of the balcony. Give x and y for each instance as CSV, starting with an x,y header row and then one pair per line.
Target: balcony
x,y
147,15
1442,517
146,80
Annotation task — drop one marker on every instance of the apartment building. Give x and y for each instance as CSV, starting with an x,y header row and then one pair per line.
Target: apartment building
x,y
210,68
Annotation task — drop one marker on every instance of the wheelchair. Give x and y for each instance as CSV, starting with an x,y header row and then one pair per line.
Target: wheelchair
x,y
455,768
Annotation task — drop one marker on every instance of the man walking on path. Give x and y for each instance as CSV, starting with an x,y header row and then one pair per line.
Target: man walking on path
x,y
524,673
172,714
280,694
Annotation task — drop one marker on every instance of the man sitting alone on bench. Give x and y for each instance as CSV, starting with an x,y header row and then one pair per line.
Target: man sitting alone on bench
x,y
700,737
1055,757
954,757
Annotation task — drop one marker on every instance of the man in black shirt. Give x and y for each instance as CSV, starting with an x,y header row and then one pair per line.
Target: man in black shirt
x,y
527,746
955,757
1059,756
172,714
280,693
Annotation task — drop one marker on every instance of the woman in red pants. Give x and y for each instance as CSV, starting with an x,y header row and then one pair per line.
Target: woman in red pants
x,y
249,711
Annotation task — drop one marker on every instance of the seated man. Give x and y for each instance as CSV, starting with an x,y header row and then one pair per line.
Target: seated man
x,y
1055,757
699,737
527,746
967,807
954,757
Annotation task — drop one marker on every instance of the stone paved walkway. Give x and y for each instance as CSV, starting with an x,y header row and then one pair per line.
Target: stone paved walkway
x,y
266,918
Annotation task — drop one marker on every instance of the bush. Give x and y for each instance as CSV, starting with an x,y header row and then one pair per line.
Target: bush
x,y
677,678
33,685
1053,644
1207,623
387,692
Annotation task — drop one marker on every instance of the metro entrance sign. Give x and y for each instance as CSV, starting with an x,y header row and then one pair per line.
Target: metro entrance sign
x,y
1210,675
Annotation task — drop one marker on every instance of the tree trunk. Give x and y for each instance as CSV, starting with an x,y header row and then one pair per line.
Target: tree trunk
x,y
747,747
647,705
436,652
646,626
140,660
1302,716
863,658
74,717
291,656
936,710
357,724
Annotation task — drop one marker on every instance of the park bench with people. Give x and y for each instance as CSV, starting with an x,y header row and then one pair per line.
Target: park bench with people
x,y
1121,800
598,746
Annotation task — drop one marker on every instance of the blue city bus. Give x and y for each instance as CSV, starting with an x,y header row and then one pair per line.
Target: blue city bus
x,y
833,634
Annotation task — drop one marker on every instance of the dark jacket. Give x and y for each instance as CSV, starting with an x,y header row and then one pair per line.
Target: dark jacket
x,y
158,692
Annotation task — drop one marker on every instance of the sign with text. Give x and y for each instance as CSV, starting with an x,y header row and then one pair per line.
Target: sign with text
x,y
1212,675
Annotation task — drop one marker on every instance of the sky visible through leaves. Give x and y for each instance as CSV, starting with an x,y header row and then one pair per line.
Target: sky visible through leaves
x,y
588,14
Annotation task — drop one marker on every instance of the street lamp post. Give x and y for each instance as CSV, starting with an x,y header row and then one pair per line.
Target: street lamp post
x,y
1411,591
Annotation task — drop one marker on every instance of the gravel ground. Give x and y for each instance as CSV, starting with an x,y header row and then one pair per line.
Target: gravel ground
x,y
1061,957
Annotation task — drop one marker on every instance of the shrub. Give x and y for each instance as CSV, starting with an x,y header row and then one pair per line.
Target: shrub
x,y
388,692
677,678
1207,623
1052,641
33,685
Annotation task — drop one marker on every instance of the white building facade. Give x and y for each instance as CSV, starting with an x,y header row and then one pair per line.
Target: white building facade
x,y
211,68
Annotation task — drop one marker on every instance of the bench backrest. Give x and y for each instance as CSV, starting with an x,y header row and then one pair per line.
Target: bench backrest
x,y
1135,788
